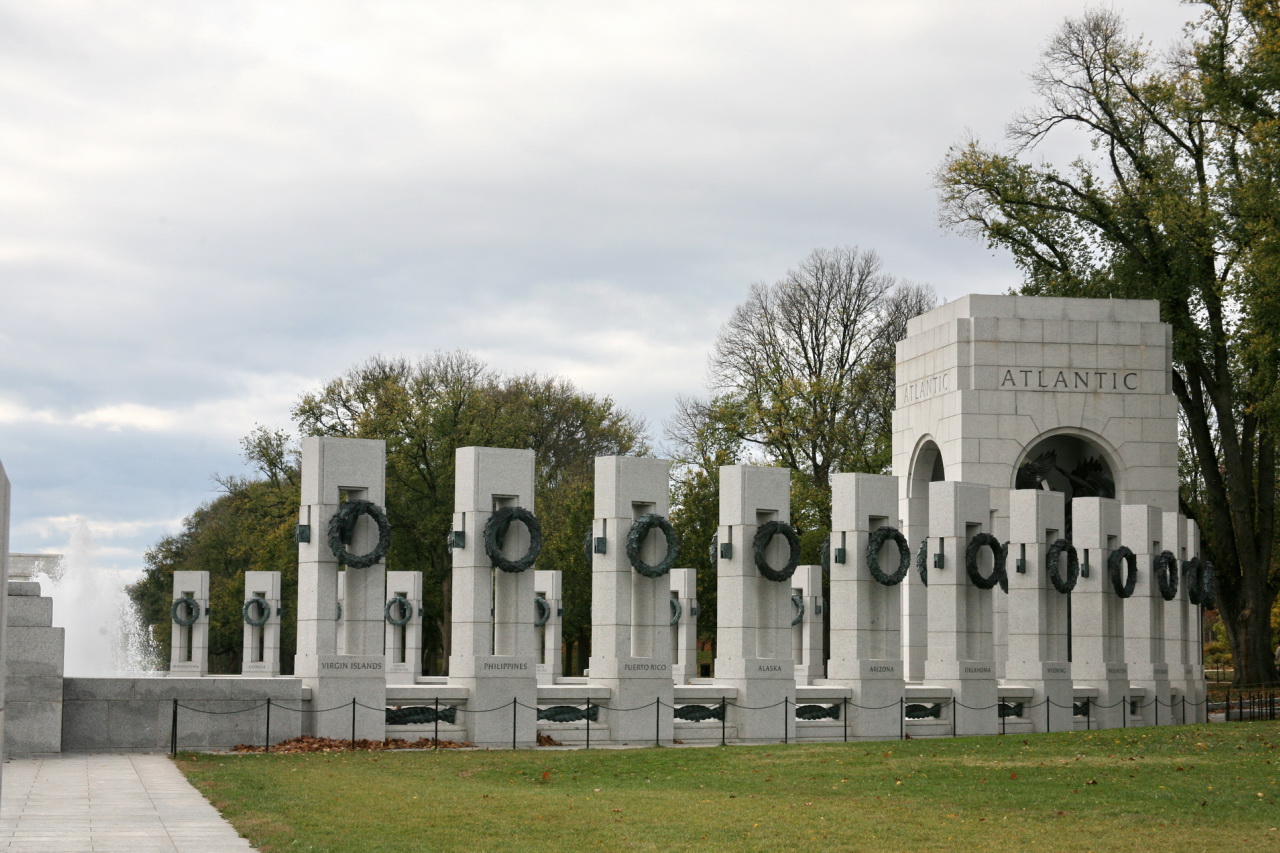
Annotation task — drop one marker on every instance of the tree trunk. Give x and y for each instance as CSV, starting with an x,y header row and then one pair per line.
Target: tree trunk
x,y
1247,619
1240,488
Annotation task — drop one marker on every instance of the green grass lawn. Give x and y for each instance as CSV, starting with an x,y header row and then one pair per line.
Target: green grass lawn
x,y
1153,790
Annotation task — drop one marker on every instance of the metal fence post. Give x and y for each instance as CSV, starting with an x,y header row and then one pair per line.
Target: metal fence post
x,y
173,734
436,729
513,722
588,723
657,722
844,717
785,721
723,716
353,722
902,718
268,746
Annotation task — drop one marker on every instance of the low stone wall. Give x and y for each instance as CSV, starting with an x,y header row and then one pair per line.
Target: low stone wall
x,y
136,714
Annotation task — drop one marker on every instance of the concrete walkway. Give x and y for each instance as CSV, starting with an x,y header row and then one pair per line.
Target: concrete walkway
x,y
138,803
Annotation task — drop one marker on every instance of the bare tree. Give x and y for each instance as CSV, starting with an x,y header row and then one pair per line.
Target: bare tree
x,y
804,368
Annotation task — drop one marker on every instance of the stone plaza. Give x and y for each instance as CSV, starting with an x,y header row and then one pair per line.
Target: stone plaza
x,y
1024,568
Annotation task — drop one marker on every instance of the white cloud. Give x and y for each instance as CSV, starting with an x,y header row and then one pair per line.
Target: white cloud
x,y
13,412
261,399
126,415
63,526
212,208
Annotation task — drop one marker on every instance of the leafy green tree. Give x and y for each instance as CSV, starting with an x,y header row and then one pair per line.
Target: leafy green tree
x,y
1175,203
247,528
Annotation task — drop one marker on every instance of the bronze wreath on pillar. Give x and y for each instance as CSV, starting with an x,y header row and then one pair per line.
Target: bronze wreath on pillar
x,y
1073,566
1167,575
635,541
495,530
763,537
188,607
263,609
343,524
977,543
398,611
1123,588
875,543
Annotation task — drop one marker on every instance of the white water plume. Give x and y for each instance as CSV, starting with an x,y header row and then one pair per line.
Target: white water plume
x,y
104,634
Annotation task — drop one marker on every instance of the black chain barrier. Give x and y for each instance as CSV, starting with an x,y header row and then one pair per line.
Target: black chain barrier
x,y
1256,705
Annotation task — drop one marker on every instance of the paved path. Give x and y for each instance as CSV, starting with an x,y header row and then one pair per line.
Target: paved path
x,y
136,803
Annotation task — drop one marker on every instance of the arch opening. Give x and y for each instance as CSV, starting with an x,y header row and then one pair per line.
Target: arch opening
x,y
926,468
1068,463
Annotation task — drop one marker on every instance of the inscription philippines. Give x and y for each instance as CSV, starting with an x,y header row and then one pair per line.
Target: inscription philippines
x,y
1067,379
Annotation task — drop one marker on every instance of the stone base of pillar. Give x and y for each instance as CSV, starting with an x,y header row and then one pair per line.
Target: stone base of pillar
x,y
1155,707
635,684
1049,681
763,685
493,682
1111,680
1197,694
973,691
875,702
343,678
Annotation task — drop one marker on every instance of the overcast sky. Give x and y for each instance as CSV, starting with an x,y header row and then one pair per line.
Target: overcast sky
x,y
209,209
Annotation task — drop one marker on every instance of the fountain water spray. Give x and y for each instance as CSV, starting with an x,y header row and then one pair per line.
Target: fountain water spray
x,y
104,634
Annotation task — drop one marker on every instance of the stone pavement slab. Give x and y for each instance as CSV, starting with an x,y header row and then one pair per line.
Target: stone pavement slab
x,y
138,803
